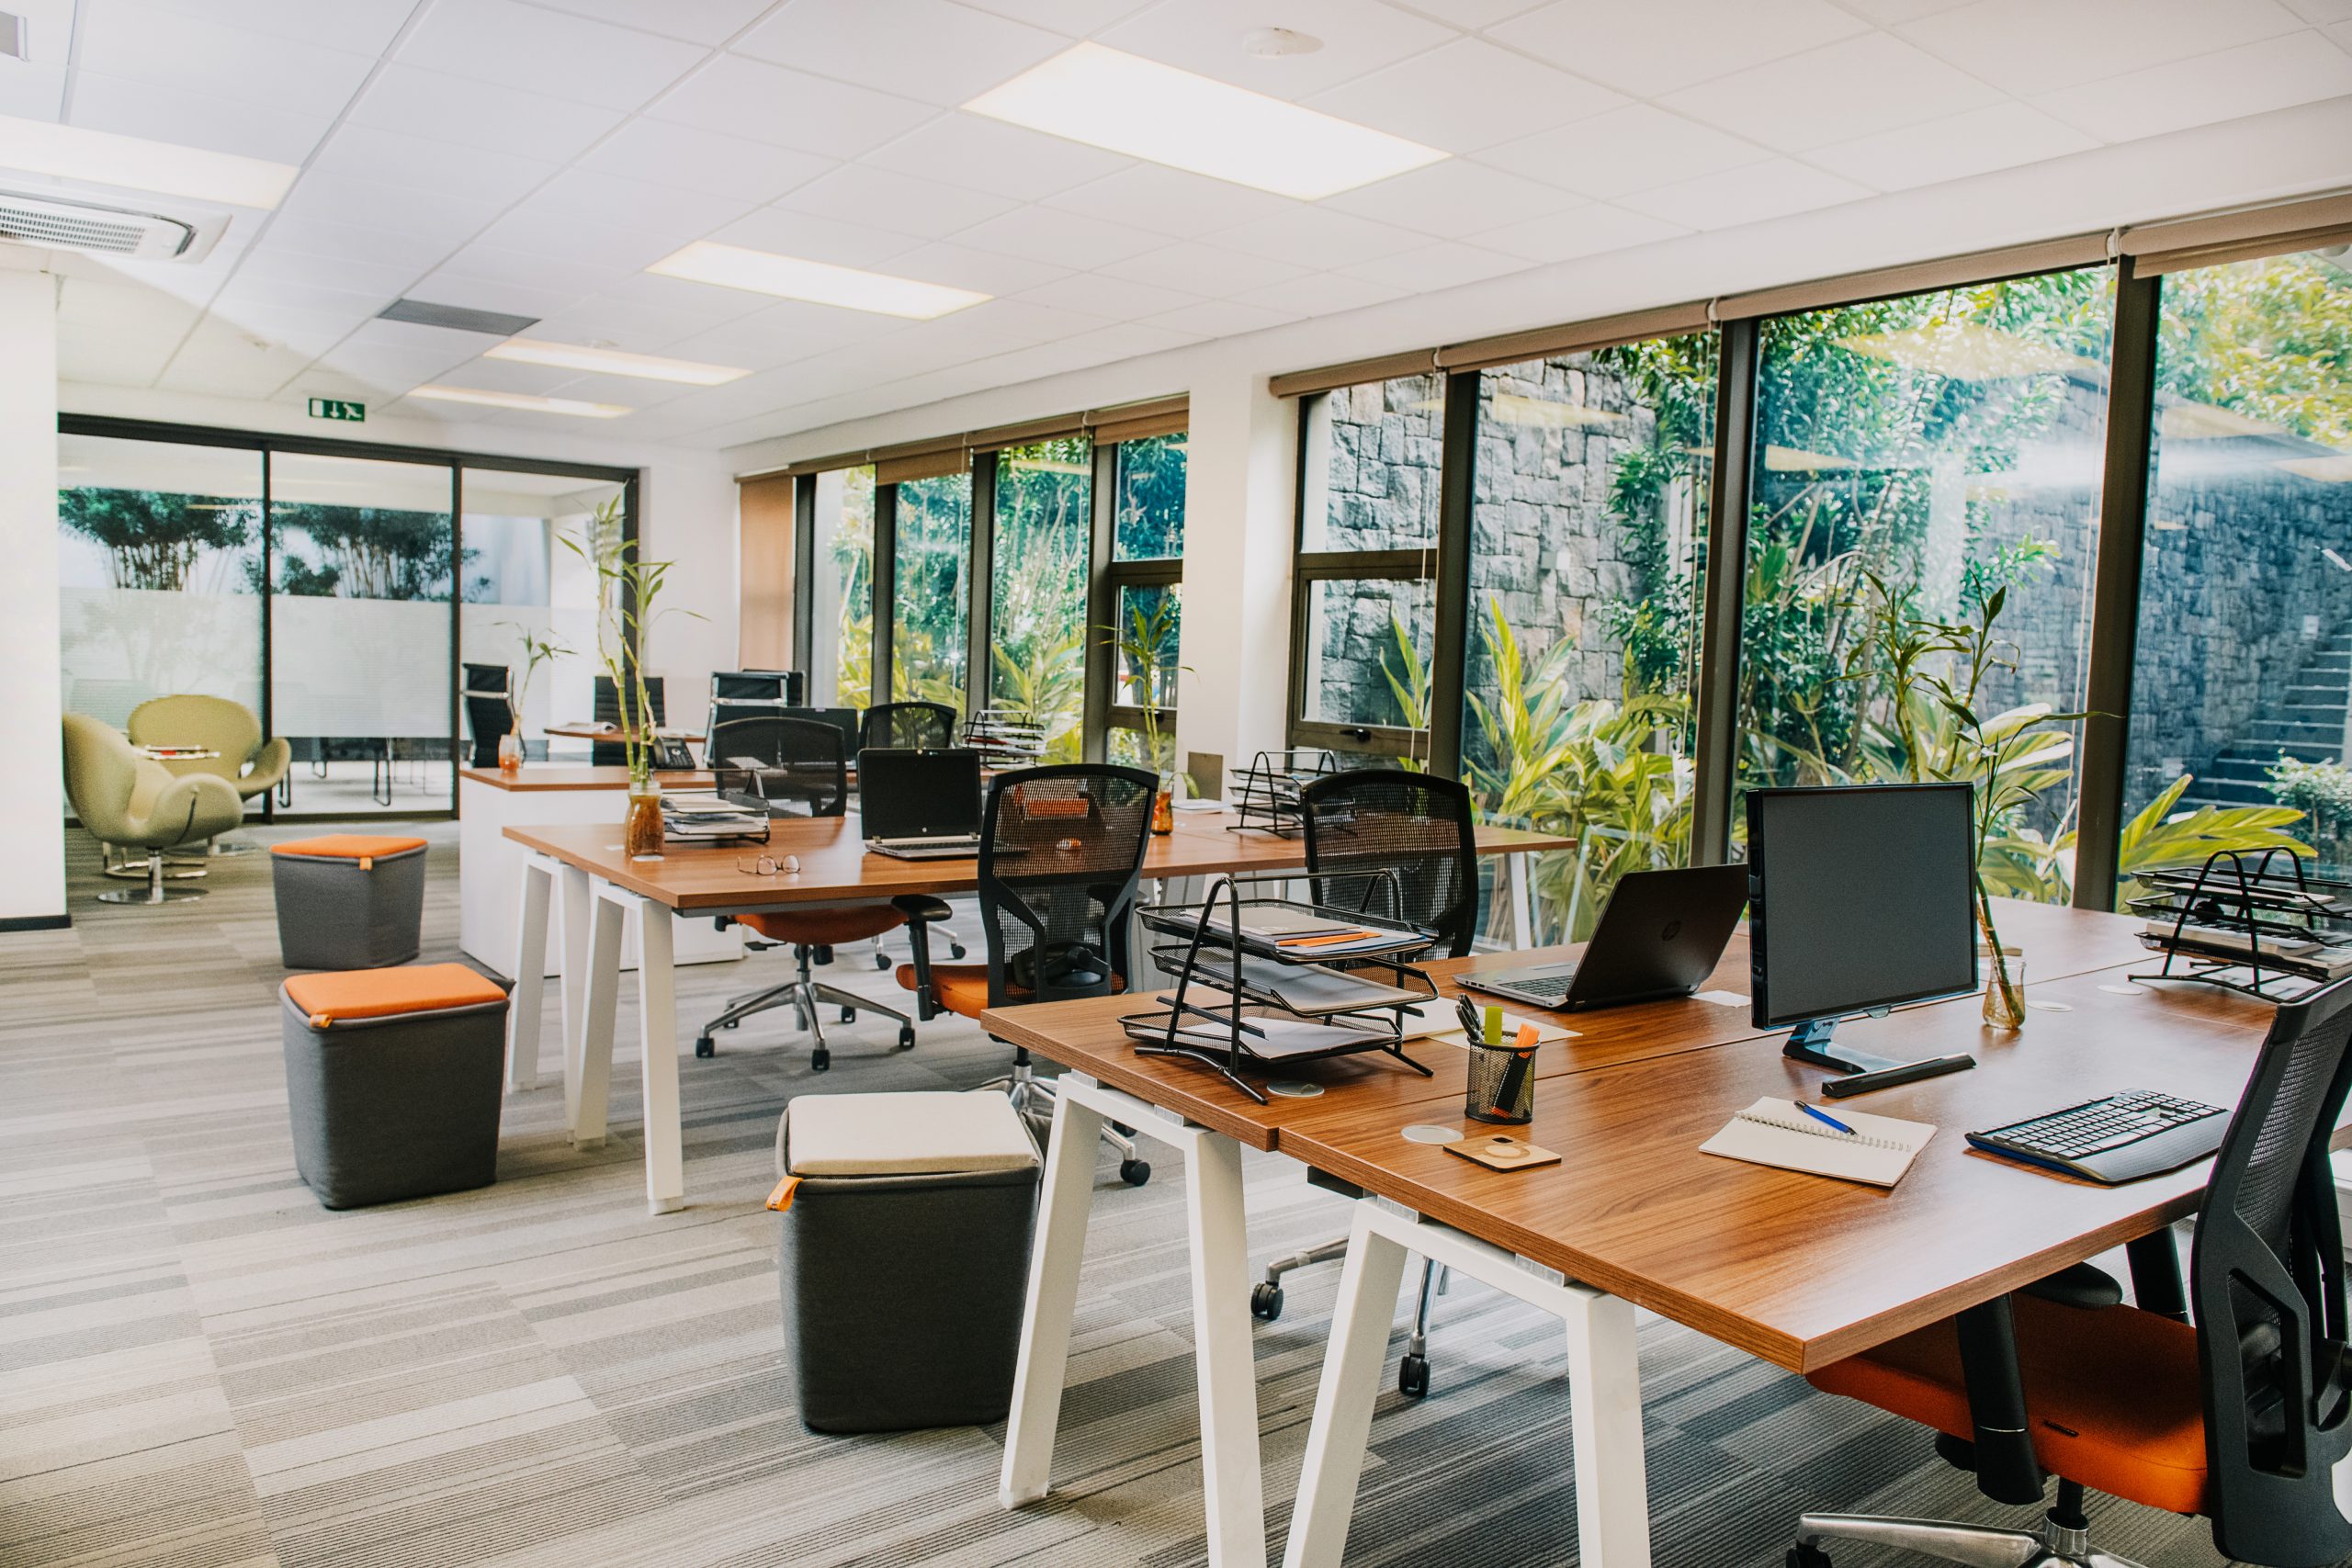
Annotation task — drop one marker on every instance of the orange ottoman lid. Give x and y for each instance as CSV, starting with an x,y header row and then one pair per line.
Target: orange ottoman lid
x,y
365,848
388,993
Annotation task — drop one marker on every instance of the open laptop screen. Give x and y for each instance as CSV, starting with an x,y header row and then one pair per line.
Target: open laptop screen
x,y
919,794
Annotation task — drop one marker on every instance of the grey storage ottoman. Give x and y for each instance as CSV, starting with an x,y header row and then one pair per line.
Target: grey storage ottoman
x,y
905,1256
349,900
393,1080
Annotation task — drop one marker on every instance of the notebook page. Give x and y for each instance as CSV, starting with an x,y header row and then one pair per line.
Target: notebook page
x,y
1775,1133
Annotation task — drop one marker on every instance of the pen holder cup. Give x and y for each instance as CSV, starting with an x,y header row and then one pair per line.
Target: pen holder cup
x,y
1502,1085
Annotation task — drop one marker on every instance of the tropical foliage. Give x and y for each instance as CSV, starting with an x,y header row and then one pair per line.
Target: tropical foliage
x,y
153,538
627,593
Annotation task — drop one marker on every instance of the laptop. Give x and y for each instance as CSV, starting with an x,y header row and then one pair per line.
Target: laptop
x,y
920,805
1662,934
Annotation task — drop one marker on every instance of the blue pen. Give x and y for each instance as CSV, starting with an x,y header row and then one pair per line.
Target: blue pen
x,y
1818,1116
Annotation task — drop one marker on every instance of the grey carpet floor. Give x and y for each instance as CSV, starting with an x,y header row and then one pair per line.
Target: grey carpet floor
x,y
202,1367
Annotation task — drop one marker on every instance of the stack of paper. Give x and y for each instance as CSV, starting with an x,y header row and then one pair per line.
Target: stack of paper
x,y
703,815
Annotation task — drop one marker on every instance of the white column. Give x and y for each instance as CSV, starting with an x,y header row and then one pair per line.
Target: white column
x,y
32,823
1239,493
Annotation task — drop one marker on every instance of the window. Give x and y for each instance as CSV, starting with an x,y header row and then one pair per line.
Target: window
x,y
1141,591
840,661
2244,647
1037,601
1364,623
1922,464
523,583
1587,516
930,545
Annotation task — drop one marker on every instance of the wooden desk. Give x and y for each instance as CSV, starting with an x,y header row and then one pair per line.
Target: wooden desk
x,y
601,887
615,736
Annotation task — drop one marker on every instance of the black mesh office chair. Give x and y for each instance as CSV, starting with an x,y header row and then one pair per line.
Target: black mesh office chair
x,y
613,753
2241,1418
1388,844
799,762
488,690
1061,850
910,726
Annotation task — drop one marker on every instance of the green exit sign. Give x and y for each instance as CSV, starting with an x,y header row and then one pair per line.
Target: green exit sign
x,y
336,408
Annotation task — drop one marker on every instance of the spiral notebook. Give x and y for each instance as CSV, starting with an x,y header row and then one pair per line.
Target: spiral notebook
x,y
1775,1133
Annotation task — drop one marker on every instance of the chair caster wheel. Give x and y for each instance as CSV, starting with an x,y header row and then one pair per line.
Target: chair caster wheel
x,y
706,1046
1265,1301
954,949
1807,1557
1134,1172
881,961
819,1059
906,1037
1413,1377
849,1015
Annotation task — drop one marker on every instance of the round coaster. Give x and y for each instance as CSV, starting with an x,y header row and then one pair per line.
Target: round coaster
x,y
1294,1088
2051,1006
2125,989
1425,1132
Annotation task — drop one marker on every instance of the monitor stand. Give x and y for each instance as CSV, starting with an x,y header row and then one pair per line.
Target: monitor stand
x,y
1809,1043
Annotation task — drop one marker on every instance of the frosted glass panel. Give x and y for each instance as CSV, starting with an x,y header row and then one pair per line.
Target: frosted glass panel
x,y
522,583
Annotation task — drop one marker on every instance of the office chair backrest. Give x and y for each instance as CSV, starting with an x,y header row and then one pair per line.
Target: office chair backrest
x,y
750,693
2266,1279
1061,848
613,753
1401,846
910,726
794,760
488,714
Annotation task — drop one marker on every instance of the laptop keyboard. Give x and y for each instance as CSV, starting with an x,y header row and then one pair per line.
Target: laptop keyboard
x,y
1551,987
963,841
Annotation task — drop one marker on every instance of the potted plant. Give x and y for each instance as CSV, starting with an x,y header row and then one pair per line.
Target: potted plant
x,y
1146,647
627,589
536,650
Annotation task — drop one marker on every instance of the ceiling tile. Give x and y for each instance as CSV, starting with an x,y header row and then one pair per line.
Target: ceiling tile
x,y
1580,231
785,331
788,108
547,51
883,198
1116,298
497,264
32,91
1465,95
1320,238
1893,13
552,230
814,239
1453,198
1473,15
1659,45
469,173
2342,33
270,265
373,204
193,119
2322,10
1031,321
361,26
960,266
1749,195
33,87
709,303
664,153
1204,36
479,113
310,236
1636,148
2275,73
1167,201
1062,239
124,38
307,333
932,49
2084,41
1999,136
988,155
1220,318
1855,87
328,292
130,360
1076,18
1128,339
631,325
537,299
1321,294
1446,264
708,22
653,208
1206,269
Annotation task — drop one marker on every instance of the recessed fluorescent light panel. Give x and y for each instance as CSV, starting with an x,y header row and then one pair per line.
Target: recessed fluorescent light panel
x,y
1107,98
523,400
819,283
613,362
74,153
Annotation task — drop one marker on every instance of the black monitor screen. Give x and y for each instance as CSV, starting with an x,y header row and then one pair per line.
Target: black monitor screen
x,y
917,795
1859,898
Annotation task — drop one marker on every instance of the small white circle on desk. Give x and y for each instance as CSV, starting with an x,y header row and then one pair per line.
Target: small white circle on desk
x,y
2052,1007
1429,1133
1294,1088
2125,989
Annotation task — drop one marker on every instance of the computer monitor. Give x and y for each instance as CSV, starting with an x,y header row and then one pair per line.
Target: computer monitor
x,y
919,794
1859,898
851,722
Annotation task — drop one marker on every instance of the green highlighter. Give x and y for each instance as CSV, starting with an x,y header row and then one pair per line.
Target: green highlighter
x,y
1494,1024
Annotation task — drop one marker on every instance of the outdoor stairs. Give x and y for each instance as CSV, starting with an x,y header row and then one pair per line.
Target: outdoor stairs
x,y
2305,721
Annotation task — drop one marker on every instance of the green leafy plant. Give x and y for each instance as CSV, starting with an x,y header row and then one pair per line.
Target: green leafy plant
x,y
1146,647
537,648
152,538
628,590
2321,790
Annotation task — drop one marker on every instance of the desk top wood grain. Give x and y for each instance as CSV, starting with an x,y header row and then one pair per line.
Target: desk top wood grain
x,y
536,776
835,867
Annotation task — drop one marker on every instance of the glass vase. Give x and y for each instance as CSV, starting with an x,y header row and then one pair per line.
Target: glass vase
x,y
641,828
1163,806
1999,1012
509,751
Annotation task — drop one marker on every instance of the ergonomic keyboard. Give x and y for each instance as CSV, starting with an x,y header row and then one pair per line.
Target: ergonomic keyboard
x,y
2126,1135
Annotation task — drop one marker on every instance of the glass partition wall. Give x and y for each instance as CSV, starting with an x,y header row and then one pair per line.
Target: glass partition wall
x,y
333,588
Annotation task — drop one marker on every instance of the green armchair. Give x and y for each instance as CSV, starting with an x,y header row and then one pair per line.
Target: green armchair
x,y
251,765
125,798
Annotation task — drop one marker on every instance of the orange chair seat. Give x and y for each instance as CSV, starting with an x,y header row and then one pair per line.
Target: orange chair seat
x,y
824,927
386,993
348,846
2113,1396
961,988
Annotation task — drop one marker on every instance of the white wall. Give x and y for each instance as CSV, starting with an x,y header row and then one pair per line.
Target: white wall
x,y
32,830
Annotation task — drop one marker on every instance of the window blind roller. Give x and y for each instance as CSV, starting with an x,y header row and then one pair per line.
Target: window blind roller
x,y
1543,343
2310,224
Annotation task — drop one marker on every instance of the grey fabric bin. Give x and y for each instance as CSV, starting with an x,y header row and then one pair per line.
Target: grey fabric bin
x,y
903,1295
390,1108
350,911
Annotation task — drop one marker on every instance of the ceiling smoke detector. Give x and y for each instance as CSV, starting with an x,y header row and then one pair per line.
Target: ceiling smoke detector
x,y
1274,43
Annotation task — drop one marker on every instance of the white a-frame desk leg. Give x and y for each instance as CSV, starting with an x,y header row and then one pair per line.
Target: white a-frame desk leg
x,y
1232,1487
611,908
1604,1387
525,1006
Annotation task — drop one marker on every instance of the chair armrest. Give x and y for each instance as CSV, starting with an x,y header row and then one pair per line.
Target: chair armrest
x,y
919,923
194,806
2080,1286
920,907
271,762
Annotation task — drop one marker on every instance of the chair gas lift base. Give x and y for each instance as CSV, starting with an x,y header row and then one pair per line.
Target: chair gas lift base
x,y
807,997
118,862
153,891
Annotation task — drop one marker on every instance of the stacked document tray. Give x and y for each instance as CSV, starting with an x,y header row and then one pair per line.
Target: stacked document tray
x,y
2257,923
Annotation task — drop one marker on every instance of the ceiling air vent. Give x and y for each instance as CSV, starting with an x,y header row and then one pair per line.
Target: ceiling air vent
x,y
464,318
68,224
